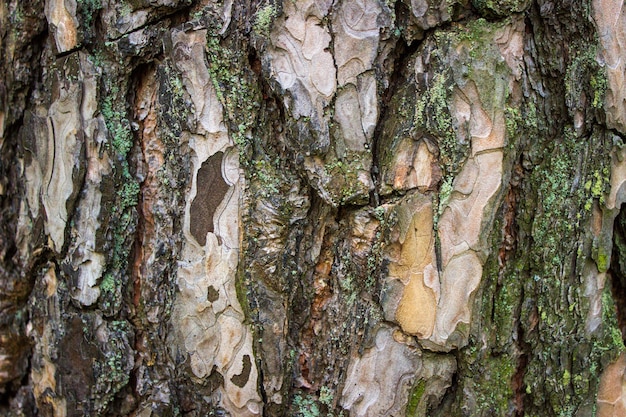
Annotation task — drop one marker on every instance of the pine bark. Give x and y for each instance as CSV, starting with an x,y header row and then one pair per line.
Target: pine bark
x,y
312,208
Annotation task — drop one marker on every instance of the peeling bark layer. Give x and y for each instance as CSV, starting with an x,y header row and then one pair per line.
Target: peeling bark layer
x,y
343,208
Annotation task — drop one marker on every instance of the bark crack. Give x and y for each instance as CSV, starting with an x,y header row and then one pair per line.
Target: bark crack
x,y
183,12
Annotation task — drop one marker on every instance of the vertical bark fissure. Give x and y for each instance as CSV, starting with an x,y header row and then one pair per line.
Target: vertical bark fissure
x,y
617,272
402,54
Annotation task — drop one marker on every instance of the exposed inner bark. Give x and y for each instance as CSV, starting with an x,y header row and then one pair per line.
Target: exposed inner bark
x,y
210,191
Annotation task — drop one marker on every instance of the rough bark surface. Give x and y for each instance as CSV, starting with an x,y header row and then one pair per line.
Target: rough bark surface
x,y
312,208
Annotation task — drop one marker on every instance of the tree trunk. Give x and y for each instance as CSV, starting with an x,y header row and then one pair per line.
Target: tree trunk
x,y
312,208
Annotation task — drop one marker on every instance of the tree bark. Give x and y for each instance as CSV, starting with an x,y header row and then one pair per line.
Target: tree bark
x,y
312,208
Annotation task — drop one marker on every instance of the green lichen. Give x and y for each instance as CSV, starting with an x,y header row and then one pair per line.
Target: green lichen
x,y
343,173
236,92
376,256
505,308
348,280
17,16
129,194
117,123
599,85
326,396
487,379
264,19
501,7
125,9
585,74
433,113
597,187
265,173
612,340
496,390
112,371
122,209
88,8
415,397
444,193
514,121
603,259
306,406
567,377
566,188
475,59
557,220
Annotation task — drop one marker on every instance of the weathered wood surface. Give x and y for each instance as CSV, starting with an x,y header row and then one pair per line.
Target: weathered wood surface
x,y
312,208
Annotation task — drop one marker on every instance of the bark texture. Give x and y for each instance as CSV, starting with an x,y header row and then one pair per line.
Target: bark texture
x,y
312,208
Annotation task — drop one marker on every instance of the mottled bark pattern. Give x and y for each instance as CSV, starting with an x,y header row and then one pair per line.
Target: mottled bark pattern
x,y
312,208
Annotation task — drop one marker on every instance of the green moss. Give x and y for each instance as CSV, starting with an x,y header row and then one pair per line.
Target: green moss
x,y
476,32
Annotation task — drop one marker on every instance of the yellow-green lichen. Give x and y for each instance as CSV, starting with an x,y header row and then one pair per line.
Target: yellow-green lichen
x,y
235,91
326,396
117,123
264,19
415,397
306,406
585,74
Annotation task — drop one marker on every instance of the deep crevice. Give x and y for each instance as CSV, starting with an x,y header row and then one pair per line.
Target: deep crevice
x,y
69,52
617,271
177,16
402,54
